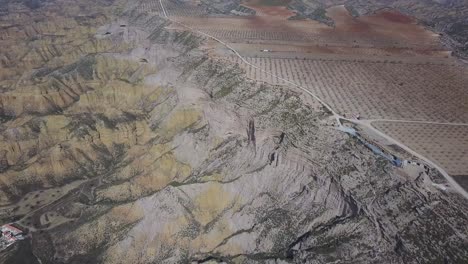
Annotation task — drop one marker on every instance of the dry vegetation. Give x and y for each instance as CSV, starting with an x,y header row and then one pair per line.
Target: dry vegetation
x,y
447,145
122,141
376,89
380,66
172,8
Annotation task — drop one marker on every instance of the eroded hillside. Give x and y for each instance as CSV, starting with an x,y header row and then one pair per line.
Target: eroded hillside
x,y
124,141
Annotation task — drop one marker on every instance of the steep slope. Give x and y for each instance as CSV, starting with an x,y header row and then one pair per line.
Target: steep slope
x,y
124,142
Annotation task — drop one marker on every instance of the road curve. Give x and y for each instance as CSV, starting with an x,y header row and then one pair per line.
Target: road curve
x,y
453,183
338,117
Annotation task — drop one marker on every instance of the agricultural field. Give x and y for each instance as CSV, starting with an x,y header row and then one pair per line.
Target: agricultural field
x,y
188,8
447,145
281,49
378,66
191,131
149,6
272,24
375,90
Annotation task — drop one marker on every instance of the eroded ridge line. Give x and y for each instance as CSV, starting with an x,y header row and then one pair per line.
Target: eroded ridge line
x,y
337,117
335,114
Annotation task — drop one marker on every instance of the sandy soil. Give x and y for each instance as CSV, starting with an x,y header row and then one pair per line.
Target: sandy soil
x,y
384,65
387,30
300,50
388,27
446,145
374,89
272,9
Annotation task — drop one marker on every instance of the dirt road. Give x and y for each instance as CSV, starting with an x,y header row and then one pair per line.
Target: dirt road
x,y
338,117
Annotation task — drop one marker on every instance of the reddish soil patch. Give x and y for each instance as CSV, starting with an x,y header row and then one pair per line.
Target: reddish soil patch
x,y
273,9
366,32
345,22
385,28
280,12
396,17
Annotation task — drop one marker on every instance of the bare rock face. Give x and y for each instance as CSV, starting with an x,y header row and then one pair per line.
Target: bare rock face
x,y
127,143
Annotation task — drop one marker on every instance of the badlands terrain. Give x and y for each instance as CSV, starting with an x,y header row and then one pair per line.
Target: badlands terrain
x,y
256,131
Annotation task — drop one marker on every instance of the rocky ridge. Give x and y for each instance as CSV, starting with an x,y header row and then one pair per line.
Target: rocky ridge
x,y
140,148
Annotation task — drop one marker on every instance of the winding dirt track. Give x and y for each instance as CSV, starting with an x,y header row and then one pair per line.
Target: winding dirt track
x,y
363,123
